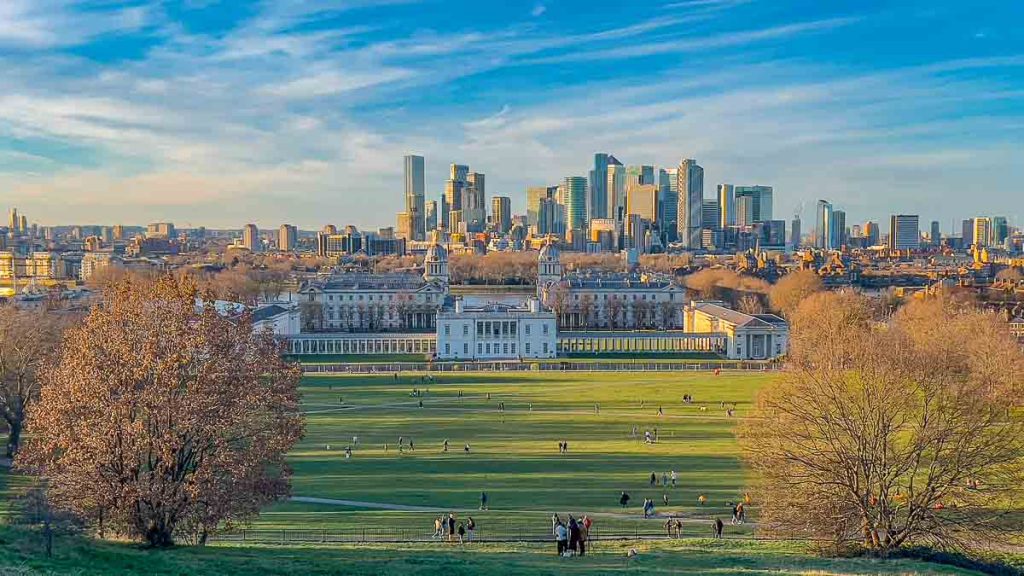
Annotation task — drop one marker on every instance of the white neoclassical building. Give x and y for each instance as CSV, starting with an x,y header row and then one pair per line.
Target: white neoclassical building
x,y
747,336
495,331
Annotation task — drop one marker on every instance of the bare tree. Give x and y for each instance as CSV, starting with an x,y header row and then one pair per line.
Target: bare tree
x,y
28,339
894,436
168,419
785,296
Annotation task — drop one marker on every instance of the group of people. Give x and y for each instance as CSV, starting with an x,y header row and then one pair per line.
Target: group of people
x,y
666,478
650,437
674,528
563,447
445,528
572,535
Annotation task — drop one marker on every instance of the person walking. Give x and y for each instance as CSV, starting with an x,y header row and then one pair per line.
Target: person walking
x,y
554,522
574,536
470,528
462,533
674,478
623,499
451,526
483,500
445,449
717,526
654,479
561,537
664,479
438,528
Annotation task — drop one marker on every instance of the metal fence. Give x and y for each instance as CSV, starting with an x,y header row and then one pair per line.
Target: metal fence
x,y
566,366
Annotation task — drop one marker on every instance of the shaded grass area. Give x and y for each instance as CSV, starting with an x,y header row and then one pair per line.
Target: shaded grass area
x,y
77,556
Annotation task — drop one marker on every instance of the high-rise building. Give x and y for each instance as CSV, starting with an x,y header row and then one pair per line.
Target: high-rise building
x,y
982,231
642,200
727,205
287,237
761,202
13,222
160,230
837,229
415,195
251,237
575,192
639,175
118,232
936,234
823,221
616,192
1000,230
711,215
872,234
690,177
453,192
430,215
744,211
597,199
904,232
501,212
550,217
794,234
23,224
474,204
967,232
669,193
404,225
534,195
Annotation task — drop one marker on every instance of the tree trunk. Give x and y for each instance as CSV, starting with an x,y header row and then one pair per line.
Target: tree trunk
x,y
14,437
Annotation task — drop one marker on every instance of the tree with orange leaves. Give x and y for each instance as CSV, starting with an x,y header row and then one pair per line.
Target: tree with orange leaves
x,y
163,418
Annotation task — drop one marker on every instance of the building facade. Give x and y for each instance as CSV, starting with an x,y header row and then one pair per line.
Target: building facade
x,y
690,208
495,332
748,336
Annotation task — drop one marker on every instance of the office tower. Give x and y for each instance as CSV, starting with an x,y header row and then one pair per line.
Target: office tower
x,y
415,195
711,215
904,232
669,200
616,192
160,230
636,230
106,235
1000,230
430,215
251,237
872,234
727,205
982,231
501,211
118,232
794,234
967,233
823,220
744,210
474,203
574,189
404,225
455,222
837,229
329,229
639,175
936,234
12,223
23,224
761,202
597,200
773,233
550,217
453,191
534,195
642,200
287,237
690,178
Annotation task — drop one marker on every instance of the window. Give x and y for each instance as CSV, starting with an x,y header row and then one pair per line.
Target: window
x,y
527,347
330,297
527,329
504,348
447,330
447,348
465,348
545,347
465,329
479,348
479,328
489,348
513,348
512,328
545,332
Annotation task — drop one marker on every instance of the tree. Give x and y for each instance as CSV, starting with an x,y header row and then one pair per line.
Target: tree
x,y
894,436
787,294
27,341
163,417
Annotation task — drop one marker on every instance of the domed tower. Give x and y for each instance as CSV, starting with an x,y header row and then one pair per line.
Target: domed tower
x,y
435,264
549,267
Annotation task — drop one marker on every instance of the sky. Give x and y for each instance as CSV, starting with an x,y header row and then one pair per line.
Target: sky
x,y
223,112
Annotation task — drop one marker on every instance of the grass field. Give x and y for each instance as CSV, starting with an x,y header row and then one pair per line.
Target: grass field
x,y
514,457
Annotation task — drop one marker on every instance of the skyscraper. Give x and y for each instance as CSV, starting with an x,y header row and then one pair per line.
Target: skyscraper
x,y
936,234
415,195
638,175
534,195
1000,230
711,215
616,191
690,178
982,231
761,202
575,192
287,238
822,233
669,200
430,215
727,205
837,229
597,199
251,237
872,235
904,232
474,203
794,233
404,226
453,191
501,213
642,200
13,223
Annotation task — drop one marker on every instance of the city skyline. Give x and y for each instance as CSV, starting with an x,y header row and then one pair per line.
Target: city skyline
x,y
223,113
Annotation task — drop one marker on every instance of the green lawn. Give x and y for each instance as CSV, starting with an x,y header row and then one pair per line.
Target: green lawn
x,y
514,457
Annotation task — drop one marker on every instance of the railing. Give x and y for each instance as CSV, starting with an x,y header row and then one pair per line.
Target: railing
x,y
564,366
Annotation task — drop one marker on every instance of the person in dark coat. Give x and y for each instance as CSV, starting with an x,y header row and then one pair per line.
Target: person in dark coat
x,y
718,527
574,535
451,526
624,500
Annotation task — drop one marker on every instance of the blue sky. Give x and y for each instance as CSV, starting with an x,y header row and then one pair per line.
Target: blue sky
x,y
221,112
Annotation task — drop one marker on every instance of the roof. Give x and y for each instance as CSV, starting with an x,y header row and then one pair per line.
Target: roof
x,y
266,312
364,281
1017,320
739,318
